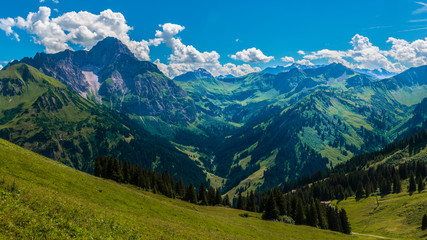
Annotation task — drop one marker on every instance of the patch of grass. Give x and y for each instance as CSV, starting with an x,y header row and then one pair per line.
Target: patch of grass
x,y
398,215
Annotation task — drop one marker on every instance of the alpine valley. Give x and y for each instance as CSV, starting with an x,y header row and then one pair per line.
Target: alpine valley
x,y
323,132
237,133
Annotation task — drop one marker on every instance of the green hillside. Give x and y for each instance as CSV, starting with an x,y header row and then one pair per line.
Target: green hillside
x,y
41,114
397,217
43,199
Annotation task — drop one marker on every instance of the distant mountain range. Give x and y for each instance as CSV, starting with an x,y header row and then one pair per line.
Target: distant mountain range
x,y
280,69
197,74
238,133
376,73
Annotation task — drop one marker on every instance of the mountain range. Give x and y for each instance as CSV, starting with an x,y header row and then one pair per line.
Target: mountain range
x,y
238,133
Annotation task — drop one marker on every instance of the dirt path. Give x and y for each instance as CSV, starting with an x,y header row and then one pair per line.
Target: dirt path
x,y
370,235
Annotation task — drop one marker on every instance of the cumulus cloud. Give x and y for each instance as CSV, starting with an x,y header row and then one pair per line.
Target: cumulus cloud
x,y
251,55
54,1
301,52
304,62
1,67
81,28
185,58
287,59
364,54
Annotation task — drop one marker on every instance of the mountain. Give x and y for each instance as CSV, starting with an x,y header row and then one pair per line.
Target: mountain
x,y
43,115
324,127
110,74
225,77
193,75
279,69
238,99
376,73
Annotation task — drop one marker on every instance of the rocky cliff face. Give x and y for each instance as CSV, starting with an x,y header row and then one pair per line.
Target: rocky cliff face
x,y
109,73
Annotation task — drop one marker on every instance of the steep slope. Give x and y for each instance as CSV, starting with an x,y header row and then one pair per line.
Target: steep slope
x,y
110,73
44,199
324,128
45,116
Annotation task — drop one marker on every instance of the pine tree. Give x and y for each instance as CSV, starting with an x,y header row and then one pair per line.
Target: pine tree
x,y
190,194
359,191
240,204
312,216
412,185
211,196
321,214
126,172
334,222
299,213
179,188
218,198
345,225
420,184
250,202
226,201
98,167
424,222
271,212
397,186
201,195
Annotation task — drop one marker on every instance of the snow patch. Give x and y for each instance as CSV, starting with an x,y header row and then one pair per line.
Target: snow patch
x,y
92,80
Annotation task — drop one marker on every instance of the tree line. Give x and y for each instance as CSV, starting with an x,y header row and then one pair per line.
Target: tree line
x,y
162,183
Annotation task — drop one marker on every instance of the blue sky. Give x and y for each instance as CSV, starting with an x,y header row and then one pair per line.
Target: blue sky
x,y
263,32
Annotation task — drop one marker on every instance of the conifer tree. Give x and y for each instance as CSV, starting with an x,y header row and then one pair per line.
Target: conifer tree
x,y
179,188
397,186
271,212
190,194
345,225
412,185
312,216
126,172
299,213
240,204
424,222
250,202
201,195
218,198
359,191
420,184
98,167
226,201
211,196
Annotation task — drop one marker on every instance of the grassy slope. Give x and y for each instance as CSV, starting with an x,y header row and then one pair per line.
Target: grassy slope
x,y
398,216
57,202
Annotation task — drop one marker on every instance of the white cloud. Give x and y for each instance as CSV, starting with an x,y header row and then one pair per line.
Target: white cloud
x,y
365,55
287,59
301,52
251,55
81,28
304,62
185,58
54,1
1,67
